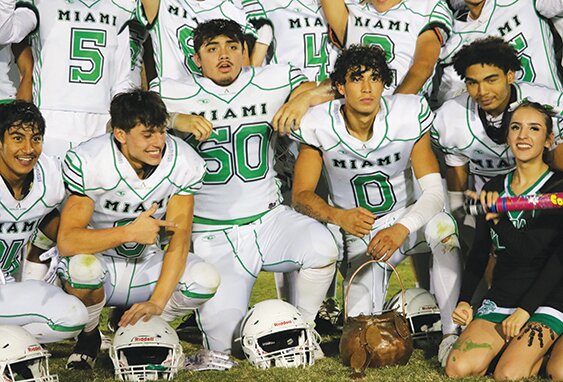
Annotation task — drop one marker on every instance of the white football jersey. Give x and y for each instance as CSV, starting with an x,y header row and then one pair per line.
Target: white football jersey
x,y
375,174
172,31
240,182
460,134
19,219
301,34
519,23
82,53
396,30
98,170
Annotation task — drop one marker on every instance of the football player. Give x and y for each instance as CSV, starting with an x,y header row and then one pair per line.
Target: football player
x,y
171,24
471,128
302,40
82,58
369,145
411,32
240,225
121,185
31,190
522,23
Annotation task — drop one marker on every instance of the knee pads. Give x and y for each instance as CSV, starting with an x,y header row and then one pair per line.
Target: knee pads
x,y
85,272
440,227
205,275
323,243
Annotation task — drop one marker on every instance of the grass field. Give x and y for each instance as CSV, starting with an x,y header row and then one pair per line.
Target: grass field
x,y
419,368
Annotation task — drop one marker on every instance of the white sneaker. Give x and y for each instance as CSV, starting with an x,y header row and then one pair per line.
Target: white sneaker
x,y
445,348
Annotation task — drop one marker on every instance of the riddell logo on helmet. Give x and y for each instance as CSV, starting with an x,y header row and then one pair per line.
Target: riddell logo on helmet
x,y
143,339
281,323
33,348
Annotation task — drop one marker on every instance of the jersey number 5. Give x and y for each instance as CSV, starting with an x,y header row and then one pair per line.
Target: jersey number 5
x,y
85,47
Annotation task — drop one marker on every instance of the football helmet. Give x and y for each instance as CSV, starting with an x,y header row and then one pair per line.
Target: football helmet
x,y
146,351
22,358
423,314
274,334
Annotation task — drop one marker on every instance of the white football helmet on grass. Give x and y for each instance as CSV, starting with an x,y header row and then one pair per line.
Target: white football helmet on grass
x,y
22,358
146,351
423,314
274,334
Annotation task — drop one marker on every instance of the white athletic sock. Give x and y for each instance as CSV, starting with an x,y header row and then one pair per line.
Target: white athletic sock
x,y
445,278
94,312
311,286
33,271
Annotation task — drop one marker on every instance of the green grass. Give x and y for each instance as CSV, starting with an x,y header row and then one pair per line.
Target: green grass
x,y
418,369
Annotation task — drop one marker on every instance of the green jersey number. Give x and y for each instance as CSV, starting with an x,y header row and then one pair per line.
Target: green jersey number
x,y
185,36
8,255
128,249
85,47
234,154
520,44
377,182
316,55
385,43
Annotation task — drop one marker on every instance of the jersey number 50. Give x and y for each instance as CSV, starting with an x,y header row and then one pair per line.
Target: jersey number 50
x,y
222,164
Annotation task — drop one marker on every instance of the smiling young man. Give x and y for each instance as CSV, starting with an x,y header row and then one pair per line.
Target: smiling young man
x,y
121,185
471,128
369,146
31,189
240,225
524,24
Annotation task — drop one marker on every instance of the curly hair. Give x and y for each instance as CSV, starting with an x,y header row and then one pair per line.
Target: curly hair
x,y
20,115
358,59
217,27
488,51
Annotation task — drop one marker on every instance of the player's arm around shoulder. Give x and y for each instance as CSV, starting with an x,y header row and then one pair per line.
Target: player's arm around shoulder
x,y
302,98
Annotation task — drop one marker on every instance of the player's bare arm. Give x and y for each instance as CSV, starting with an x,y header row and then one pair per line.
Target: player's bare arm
x,y
356,221
336,14
426,170
24,61
150,8
308,94
425,57
197,125
75,238
180,212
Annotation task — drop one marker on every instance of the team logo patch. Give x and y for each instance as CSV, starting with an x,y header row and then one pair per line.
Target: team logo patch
x,y
487,307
